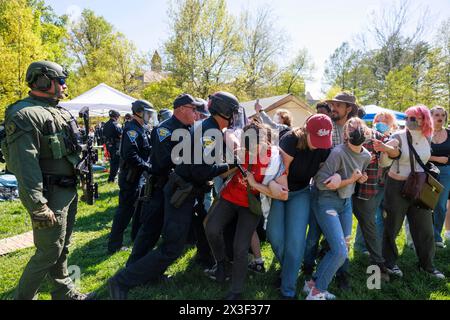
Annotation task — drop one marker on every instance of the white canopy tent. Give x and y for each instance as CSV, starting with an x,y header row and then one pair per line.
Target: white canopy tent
x,y
100,101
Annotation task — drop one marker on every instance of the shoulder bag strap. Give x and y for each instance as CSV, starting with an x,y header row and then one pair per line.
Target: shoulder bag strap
x,y
414,152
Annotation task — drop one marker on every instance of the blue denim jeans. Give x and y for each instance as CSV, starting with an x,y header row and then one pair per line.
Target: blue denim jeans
x,y
314,233
335,220
286,231
360,244
441,209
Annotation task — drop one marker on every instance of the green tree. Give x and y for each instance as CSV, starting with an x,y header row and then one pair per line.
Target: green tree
x,y
292,79
202,45
102,54
338,67
28,32
262,43
162,94
399,93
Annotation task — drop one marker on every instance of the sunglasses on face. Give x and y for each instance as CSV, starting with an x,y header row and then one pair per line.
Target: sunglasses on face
x,y
61,81
413,119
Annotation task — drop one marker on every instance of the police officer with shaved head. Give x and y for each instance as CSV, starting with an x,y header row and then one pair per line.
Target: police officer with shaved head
x,y
135,151
189,181
112,133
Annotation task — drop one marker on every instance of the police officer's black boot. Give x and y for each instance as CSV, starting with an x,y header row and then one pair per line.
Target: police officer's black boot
x,y
116,291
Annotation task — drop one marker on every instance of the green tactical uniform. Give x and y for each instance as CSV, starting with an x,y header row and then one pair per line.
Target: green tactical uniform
x,y
40,150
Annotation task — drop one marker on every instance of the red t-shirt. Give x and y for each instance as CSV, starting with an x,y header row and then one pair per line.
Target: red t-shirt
x,y
236,190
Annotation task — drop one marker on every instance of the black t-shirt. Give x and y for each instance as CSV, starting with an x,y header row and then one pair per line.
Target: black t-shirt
x,y
306,163
441,150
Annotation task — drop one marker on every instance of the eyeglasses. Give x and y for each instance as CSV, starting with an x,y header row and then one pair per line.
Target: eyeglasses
x,y
412,119
190,107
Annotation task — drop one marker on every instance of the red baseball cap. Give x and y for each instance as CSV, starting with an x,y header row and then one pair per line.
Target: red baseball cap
x,y
320,129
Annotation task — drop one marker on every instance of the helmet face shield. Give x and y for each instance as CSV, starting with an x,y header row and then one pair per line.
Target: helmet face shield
x,y
239,119
150,117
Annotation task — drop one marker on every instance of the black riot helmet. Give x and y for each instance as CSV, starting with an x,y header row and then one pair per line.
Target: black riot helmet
x,y
114,114
164,114
149,114
225,105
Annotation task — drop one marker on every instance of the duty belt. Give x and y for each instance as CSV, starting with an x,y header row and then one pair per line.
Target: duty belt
x,y
60,181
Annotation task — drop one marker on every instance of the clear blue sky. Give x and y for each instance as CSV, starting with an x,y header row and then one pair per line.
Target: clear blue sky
x,y
319,25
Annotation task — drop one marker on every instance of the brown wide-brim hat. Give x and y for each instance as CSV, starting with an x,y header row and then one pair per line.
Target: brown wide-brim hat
x,y
346,98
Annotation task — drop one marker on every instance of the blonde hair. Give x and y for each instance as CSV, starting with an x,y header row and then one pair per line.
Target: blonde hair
x,y
354,124
389,119
439,108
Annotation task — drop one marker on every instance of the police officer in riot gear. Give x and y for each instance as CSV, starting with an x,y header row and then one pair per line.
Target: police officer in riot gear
x,y
42,149
161,159
164,114
189,181
112,134
135,151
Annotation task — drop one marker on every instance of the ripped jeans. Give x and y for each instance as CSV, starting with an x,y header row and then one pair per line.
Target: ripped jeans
x,y
335,220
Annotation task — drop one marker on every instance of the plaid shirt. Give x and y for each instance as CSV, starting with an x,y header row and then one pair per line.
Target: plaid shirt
x,y
374,171
338,135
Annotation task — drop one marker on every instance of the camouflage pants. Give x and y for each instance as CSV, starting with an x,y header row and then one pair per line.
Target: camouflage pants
x,y
52,248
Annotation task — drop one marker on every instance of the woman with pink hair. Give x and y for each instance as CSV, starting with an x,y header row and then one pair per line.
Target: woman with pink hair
x,y
396,153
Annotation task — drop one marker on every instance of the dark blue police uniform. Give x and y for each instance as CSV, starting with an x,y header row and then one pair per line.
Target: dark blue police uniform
x,y
135,151
177,221
112,134
153,211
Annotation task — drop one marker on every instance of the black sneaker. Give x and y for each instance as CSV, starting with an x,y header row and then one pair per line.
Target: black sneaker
x,y
257,267
343,282
77,296
434,273
395,271
221,272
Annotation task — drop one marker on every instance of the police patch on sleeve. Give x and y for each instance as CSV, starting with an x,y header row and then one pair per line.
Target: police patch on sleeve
x,y
132,135
209,143
163,134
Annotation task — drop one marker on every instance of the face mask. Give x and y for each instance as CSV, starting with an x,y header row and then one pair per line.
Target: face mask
x,y
357,137
412,125
382,127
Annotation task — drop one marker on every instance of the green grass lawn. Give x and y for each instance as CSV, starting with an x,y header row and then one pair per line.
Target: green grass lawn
x,y
88,251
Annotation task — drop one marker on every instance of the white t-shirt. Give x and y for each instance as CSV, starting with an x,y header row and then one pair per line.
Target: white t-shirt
x,y
402,167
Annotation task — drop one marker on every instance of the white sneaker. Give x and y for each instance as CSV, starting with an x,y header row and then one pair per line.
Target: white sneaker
x,y
440,245
307,290
317,297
